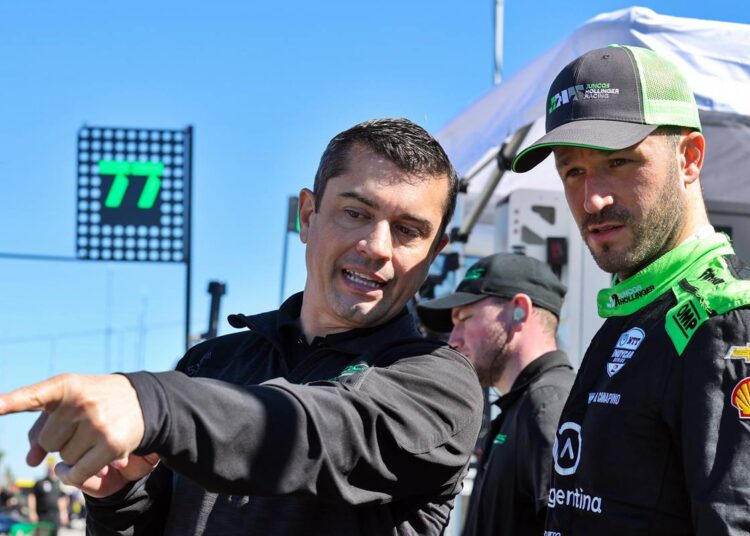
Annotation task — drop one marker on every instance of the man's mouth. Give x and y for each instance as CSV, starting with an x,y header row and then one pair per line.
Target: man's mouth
x,y
604,228
362,279
606,224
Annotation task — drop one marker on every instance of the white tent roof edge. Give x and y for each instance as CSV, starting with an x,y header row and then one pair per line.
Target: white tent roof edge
x,y
714,55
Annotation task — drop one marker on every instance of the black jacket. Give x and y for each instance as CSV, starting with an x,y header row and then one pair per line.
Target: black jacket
x,y
655,437
510,490
368,433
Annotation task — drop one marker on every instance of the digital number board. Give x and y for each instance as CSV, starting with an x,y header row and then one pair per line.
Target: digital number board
x,y
133,194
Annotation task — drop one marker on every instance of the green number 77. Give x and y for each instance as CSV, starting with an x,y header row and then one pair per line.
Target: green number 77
x,y
151,170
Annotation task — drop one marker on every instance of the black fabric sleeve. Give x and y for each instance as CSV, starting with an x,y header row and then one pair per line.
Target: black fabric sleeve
x,y
382,434
535,463
139,509
715,436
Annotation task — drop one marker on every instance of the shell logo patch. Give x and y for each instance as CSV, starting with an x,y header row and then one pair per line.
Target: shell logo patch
x,y
626,346
739,352
741,398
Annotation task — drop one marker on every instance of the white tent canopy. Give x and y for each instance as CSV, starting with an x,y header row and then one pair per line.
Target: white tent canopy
x,y
715,56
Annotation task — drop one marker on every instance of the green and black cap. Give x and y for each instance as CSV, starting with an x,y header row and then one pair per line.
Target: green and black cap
x,y
503,275
609,99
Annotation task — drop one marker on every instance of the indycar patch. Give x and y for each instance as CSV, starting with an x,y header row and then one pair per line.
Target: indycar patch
x,y
626,346
741,398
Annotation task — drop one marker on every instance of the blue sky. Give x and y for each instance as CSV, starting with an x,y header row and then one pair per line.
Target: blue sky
x,y
265,86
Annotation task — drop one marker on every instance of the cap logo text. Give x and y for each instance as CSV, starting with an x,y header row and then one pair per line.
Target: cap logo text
x,y
591,90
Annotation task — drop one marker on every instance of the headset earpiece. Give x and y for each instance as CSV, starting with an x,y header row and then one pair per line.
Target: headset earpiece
x,y
518,315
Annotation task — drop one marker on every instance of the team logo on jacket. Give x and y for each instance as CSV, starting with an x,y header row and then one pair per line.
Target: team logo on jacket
x,y
351,370
500,439
626,346
567,448
741,398
629,295
739,352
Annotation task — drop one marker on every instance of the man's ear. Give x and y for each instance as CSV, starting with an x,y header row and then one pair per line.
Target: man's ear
x,y
521,309
306,212
691,153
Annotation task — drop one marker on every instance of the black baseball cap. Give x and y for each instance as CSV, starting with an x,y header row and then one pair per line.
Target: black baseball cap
x,y
609,99
503,275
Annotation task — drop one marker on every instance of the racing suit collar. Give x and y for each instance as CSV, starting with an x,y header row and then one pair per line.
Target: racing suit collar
x,y
628,296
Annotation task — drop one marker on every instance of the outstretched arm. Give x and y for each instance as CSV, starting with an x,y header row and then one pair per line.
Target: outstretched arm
x,y
90,420
404,430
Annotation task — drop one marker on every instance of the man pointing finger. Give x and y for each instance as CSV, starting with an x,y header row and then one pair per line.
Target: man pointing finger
x,y
330,415
76,413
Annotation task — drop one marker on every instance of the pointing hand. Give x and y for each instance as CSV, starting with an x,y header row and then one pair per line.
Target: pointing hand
x,y
90,420
114,476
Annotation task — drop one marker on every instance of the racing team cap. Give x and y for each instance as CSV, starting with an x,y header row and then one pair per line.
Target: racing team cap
x,y
609,99
503,275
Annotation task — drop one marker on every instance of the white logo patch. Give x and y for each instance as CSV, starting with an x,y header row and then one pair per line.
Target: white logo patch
x,y
567,448
626,346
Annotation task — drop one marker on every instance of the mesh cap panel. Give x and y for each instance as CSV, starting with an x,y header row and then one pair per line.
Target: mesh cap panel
x,y
667,98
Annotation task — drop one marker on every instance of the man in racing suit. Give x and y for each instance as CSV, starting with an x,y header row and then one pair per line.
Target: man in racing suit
x,y
655,436
330,416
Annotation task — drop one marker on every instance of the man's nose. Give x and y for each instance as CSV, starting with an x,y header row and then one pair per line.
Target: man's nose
x,y
378,244
596,193
455,340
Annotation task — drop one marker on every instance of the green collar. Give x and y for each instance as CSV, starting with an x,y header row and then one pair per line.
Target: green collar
x,y
639,290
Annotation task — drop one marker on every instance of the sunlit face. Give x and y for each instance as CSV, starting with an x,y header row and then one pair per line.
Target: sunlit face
x,y
370,245
629,205
479,332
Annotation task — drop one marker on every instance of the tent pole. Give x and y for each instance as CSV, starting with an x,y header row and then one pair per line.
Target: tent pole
x,y
504,157
499,25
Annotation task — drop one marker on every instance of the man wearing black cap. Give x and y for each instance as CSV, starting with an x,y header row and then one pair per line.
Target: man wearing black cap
x,y
504,318
655,437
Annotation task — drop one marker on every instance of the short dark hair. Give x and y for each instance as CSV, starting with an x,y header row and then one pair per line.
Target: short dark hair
x,y
406,144
671,135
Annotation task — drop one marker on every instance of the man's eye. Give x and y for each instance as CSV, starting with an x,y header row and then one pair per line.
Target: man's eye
x,y
354,214
617,162
410,232
572,172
